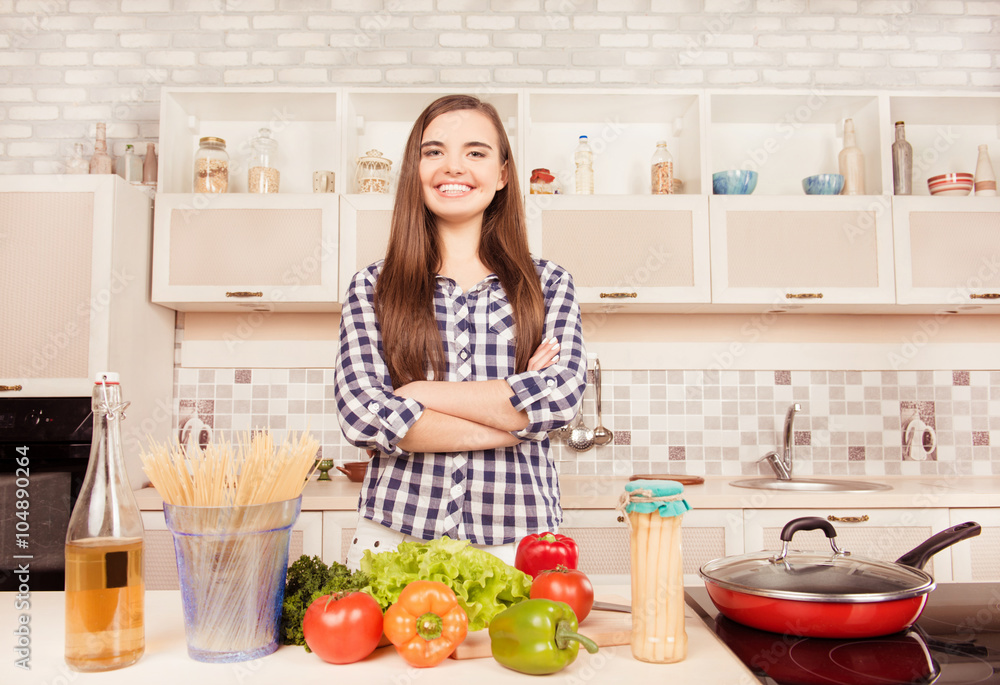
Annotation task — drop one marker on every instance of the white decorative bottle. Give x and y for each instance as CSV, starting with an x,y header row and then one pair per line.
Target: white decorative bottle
x,y
852,162
986,180
584,158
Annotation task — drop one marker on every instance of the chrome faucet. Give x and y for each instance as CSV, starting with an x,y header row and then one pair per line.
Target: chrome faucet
x,y
782,463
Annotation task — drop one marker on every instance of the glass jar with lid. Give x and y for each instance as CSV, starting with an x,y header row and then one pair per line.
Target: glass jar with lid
x,y
211,166
373,173
262,176
542,182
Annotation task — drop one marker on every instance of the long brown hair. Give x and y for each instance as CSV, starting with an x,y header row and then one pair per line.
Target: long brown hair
x,y
404,293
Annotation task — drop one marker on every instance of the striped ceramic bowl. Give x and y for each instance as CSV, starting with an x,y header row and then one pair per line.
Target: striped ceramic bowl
x,y
950,184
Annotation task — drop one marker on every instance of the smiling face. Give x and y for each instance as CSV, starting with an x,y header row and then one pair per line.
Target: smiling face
x,y
461,168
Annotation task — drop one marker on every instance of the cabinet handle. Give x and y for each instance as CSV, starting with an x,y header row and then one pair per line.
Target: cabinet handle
x,y
11,388
619,295
848,519
985,296
804,296
621,519
244,293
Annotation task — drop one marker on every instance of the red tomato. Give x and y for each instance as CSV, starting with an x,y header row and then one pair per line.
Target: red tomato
x,y
344,627
566,585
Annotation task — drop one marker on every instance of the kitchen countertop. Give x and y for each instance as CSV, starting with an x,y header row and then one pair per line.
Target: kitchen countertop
x,y
165,661
591,492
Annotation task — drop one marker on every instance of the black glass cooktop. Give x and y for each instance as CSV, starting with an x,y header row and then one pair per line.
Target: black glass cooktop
x,y
955,641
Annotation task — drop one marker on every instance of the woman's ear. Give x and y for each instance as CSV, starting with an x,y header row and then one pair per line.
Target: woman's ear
x,y
502,181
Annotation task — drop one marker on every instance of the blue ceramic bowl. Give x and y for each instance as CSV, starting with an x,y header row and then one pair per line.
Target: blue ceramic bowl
x,y
823,184
734,182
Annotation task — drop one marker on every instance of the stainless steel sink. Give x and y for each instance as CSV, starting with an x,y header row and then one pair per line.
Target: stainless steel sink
x,y
810,485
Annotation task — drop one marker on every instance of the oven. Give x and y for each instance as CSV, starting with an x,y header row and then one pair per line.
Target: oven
x,y
44,449
955,641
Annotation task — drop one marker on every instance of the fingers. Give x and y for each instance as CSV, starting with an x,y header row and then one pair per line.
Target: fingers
x,y
546,354
371,453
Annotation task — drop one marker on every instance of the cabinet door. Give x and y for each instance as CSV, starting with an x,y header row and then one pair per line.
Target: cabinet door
x,y
948,252
338,534
648,253
160,561
364,233
978,559
884,534
793,252
235,252
603,539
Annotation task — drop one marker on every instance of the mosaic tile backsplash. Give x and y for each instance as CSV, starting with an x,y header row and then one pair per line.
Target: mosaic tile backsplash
x,y
682,422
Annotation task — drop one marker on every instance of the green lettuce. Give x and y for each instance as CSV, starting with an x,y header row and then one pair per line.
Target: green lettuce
x,y
483,584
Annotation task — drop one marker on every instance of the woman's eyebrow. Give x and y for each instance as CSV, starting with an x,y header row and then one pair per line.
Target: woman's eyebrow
x,y
437,143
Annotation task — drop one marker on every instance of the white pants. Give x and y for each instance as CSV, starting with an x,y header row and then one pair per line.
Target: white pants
x,y
378,538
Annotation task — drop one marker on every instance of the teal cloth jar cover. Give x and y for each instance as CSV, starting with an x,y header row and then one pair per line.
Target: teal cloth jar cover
x,y
654,510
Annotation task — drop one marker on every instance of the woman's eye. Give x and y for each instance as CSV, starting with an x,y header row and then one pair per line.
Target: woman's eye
x,y
431,152
477,153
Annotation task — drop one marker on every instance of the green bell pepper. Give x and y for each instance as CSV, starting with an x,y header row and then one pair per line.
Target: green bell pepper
x,y
537,636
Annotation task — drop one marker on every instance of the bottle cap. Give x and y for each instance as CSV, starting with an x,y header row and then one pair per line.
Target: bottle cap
x,y
583,137
661,143
212,140
108,377
899,123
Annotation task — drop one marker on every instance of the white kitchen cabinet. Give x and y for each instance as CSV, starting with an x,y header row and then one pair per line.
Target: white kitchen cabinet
x,y
787,136
948,252
814,252
945,132
977,559
160,560
74,273
305,122
364,233
884,534
603,539
253,252
623,128
650,252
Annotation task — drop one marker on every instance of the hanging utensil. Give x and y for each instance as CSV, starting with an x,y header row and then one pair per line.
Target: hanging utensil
x,y
602,436
580,438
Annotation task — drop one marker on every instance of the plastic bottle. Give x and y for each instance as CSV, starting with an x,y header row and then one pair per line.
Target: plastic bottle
x,y
902,163
584,158
986,180
662,170
105,591
100,161
852,162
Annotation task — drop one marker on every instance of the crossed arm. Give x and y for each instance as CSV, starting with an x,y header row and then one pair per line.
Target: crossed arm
x,y
470,415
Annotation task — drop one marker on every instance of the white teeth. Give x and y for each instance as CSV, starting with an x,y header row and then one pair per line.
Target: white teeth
x,y
454,188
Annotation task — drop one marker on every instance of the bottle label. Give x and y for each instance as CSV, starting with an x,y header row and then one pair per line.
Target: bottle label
x,y
986,185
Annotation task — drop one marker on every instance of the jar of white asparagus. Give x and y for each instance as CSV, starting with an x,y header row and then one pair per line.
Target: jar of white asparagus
x,y
653,511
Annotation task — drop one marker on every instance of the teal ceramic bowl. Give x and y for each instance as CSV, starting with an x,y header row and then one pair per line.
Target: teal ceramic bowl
x,y
734,182
823,184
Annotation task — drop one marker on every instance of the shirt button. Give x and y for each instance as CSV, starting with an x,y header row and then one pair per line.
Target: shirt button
x,y
463,354
551,382
456,490
373,407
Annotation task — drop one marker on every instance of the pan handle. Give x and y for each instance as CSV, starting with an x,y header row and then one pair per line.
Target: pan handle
x,y
807,523
919,555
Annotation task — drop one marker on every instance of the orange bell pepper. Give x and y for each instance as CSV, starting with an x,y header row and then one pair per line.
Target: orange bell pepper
x,y
426,623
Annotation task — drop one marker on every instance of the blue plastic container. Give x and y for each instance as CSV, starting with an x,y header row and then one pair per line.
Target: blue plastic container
x,y
231,563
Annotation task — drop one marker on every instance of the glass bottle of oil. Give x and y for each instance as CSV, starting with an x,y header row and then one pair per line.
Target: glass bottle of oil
x,y
104,584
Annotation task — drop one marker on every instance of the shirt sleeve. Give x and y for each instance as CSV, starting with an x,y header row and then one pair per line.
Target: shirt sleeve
x,y
370,415
552,396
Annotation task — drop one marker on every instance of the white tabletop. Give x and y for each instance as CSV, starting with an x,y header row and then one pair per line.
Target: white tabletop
x,y
166,660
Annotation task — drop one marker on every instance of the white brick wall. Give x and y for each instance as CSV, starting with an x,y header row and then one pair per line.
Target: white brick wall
x,y
66,64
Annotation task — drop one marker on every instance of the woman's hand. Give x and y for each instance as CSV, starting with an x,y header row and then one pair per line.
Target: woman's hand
x,y
546,354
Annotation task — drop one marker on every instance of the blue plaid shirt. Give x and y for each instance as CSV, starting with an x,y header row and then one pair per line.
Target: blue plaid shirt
x,y
490,497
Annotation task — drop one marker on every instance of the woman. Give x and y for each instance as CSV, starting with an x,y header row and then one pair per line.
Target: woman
x,y
458,351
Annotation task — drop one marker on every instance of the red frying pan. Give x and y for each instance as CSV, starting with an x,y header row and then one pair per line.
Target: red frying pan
x,y
818,595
